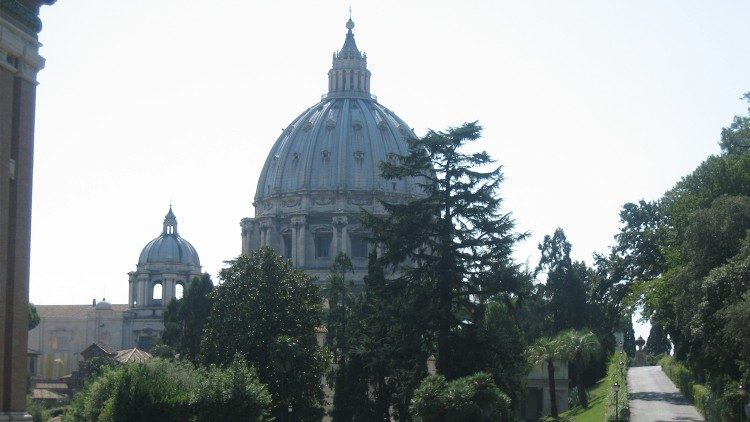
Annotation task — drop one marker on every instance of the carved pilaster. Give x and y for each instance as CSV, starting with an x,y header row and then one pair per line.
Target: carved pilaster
x,y
250,235
299,223
340,238
265,232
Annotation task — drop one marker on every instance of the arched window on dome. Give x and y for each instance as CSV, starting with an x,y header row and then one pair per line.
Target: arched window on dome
x,y
156,293
179,290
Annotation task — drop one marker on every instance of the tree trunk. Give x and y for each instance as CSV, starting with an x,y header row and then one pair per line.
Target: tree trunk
x,y
552,395
579,383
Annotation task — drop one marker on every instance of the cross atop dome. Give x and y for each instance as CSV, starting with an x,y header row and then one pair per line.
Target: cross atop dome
x,y
349,76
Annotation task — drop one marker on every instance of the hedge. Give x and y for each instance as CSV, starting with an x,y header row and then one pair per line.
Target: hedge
x,y
620,376
172,391
722,405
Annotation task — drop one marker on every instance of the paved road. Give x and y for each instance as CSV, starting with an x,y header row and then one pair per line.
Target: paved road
x,y
654,398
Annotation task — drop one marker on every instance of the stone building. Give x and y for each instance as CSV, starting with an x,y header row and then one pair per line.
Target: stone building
x,y
322,173
165,266
19,64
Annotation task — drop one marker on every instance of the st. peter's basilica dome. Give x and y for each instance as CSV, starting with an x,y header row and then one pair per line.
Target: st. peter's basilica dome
x,y
323,171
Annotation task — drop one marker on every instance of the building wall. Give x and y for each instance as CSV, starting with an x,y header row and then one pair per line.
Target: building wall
x,y
19,64
537,390
64,331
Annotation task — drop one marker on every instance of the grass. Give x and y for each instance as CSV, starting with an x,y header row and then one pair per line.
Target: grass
x,y
595,411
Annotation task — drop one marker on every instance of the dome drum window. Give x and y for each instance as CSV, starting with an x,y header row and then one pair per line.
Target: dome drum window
x,y
322,239
359,246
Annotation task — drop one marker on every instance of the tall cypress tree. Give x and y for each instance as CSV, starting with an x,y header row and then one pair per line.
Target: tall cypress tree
x,y
657,342
453,243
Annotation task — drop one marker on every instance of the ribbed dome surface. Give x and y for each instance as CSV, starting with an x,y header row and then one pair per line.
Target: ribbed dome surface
x,y
169,247
336,145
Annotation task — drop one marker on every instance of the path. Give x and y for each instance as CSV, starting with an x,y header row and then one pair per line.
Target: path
x,y
654,398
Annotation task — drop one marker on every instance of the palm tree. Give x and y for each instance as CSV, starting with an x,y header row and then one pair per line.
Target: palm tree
x,y
546,350
580,347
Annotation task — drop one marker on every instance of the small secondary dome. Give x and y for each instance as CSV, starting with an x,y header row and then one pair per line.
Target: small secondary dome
x,y
169,247
103,305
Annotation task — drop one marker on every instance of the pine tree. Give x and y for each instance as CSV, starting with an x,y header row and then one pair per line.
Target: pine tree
x,y
452,243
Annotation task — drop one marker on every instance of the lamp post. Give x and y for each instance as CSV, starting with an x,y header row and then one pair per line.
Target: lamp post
x,y
622,368
289,411
616,387
742,401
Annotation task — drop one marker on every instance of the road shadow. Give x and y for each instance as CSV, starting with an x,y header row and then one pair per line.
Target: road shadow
x,y
674,398
681,418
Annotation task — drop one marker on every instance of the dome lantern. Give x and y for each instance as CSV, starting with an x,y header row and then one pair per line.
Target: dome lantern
x,y
349,76
170,223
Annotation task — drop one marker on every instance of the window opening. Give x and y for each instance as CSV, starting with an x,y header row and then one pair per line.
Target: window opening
x,y
323,245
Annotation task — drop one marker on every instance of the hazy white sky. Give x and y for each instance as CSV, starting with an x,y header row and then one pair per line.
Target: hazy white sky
x,y
586,104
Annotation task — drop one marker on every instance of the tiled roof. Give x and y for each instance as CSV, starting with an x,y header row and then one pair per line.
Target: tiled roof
x,y
51,385
132,355
43,394
71,311
102,347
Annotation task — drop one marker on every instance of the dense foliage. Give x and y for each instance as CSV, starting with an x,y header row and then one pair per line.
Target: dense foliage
x,y
616,405
444,283
657,342
564,291
580,348
185,318
453,243
471,398
543,353
687,256
721,406
267,312
33,317
172,391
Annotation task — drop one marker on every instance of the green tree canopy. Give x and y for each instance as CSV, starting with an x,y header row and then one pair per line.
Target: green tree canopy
x,y
544,352
172,391
685,258
185,318
453,243
564,291
33,317
580,348
657,342
471,398
267,312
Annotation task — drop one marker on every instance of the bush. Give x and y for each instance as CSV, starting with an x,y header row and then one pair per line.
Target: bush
x,y
618,410
718,404
653,360
35,410
172,391
472,398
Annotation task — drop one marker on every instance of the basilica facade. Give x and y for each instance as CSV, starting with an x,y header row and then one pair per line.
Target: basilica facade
x,y
323,173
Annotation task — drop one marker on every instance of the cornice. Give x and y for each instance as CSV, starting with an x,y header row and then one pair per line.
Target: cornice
x,y
27,18
19,51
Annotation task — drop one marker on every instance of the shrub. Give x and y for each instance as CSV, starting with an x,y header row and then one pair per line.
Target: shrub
x,y
172,391
717,404
471,398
